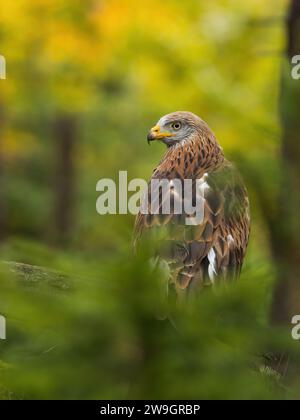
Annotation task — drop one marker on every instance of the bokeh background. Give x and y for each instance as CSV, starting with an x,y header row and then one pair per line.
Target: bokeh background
x,y
85,82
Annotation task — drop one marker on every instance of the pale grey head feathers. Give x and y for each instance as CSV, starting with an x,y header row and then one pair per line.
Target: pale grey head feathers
x,y
177,127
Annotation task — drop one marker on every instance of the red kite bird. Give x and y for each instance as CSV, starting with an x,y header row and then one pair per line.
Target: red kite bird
x,y
211,247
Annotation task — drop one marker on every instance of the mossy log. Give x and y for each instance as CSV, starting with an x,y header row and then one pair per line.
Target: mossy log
x,y
31,274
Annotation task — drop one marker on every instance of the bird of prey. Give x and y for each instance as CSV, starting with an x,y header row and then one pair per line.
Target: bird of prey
x,y
210,248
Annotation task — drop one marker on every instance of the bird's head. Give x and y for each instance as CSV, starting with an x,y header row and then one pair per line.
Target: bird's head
x,y
176,127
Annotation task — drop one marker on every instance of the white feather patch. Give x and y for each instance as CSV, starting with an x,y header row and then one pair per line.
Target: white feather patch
x,y
203,185
230,239
212,269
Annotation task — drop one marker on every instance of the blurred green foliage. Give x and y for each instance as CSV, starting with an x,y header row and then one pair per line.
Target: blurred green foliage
x,y
115,67
101,338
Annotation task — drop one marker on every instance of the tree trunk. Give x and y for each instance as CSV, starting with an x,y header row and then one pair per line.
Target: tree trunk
x,y
286,232
65,138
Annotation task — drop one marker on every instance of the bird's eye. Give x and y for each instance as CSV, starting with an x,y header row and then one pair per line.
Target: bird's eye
x,y
176,125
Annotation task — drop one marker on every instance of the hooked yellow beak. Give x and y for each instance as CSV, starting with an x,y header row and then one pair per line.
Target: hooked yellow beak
x,y
156,134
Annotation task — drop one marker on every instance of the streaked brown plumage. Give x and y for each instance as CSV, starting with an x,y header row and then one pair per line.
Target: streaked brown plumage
x,y
214,249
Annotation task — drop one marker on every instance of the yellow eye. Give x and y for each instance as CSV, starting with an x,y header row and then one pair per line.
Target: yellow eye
x,y
176,125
